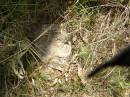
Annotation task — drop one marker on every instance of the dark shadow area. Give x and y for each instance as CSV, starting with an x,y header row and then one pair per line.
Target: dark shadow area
x,y
121,59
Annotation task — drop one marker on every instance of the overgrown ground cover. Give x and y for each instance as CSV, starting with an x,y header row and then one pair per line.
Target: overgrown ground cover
x,y
95,36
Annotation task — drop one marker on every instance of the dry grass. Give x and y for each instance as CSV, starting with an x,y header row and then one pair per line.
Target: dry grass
x,y
91,46
94,38
97,44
